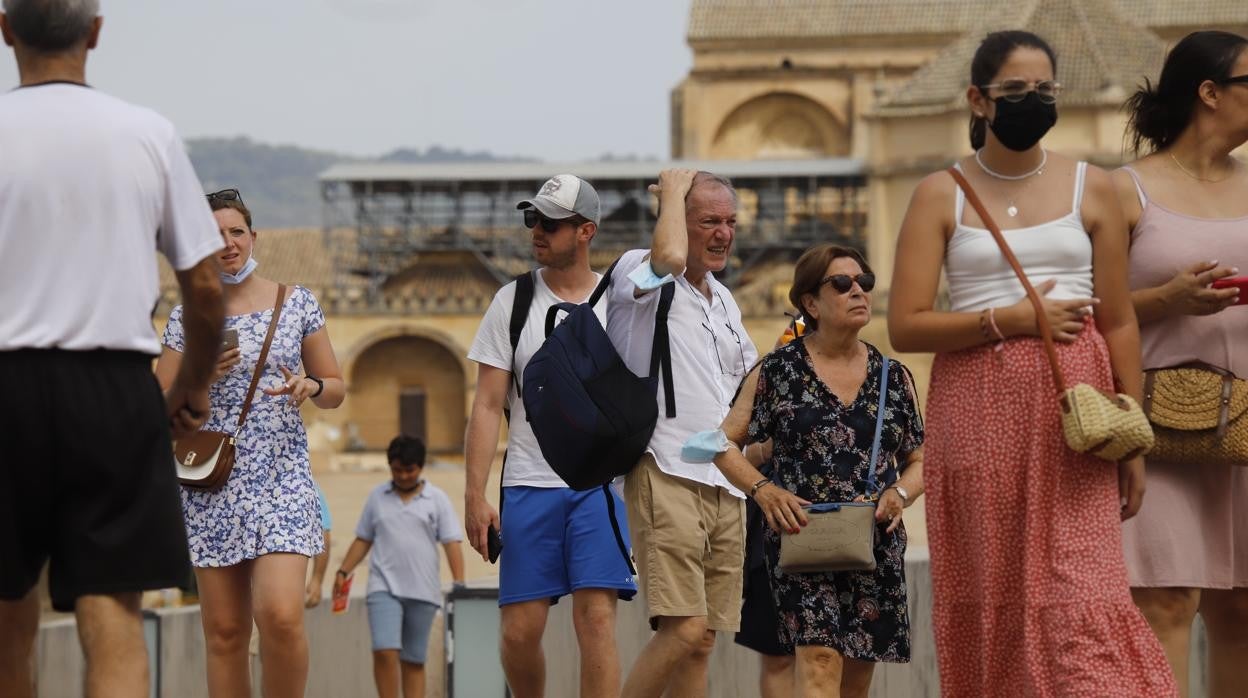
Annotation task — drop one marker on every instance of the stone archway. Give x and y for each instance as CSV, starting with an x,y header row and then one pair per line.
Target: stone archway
x,y
408,384
780,125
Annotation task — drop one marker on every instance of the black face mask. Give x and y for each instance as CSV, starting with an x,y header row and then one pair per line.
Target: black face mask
x,y
1020,125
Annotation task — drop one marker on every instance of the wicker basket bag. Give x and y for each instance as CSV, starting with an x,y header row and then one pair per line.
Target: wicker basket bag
x,y
1107,425
1200,415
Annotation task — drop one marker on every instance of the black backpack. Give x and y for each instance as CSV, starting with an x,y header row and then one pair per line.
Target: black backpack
x,y
592,417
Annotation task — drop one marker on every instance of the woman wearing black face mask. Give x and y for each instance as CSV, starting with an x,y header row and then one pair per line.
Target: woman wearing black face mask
x,y
1030,592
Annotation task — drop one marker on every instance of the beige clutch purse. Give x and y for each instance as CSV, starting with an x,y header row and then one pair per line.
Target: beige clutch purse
x,y
838,538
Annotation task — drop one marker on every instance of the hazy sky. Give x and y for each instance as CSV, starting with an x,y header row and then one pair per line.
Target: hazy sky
x,y
553,79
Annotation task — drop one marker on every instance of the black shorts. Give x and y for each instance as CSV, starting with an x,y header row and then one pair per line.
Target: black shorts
x,y
760,623
86,476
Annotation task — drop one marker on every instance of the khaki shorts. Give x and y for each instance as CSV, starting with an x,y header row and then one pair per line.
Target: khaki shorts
x,y
689,542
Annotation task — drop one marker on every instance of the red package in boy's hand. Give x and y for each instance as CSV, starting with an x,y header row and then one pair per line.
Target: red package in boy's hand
x,y
342,597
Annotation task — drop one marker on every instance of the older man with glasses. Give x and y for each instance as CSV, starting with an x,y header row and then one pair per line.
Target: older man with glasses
x,y
92,188
687,519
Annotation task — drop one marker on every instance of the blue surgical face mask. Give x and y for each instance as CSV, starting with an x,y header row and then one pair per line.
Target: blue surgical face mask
x,y
703,446
236,279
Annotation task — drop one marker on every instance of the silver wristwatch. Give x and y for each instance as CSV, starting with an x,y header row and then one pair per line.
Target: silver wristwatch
x,y
905,496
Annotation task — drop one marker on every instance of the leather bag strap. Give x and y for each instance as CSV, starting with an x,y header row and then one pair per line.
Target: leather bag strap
x,y
1042,319
264,354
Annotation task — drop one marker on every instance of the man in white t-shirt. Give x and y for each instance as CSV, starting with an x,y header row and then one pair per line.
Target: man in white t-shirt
x,y
90,189
687,519
556,540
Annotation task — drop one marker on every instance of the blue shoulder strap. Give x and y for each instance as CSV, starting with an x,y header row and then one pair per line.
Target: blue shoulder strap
x,y
879,424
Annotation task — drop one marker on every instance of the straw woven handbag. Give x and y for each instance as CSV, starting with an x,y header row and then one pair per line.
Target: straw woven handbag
x,y
205,459
1199,414
1106,425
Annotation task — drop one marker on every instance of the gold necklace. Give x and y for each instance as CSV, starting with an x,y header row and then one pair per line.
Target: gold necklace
x,y
1189,174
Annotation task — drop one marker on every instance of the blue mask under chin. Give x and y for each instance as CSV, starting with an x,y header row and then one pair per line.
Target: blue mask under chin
x,y
235,279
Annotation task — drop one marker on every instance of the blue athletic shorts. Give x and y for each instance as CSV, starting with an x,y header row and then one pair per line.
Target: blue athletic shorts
x,y
557,540
400,624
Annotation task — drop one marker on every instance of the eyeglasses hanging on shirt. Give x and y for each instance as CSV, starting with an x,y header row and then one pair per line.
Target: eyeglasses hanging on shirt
x,y
728,365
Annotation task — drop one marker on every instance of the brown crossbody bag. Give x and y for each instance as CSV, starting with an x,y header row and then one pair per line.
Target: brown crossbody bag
x,y
204,459
1107,425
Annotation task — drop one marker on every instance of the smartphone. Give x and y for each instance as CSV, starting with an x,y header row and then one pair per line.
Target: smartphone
x,y
1240,282
493,544
229,339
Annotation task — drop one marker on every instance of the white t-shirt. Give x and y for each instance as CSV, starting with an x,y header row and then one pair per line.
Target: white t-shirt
x,y
711,353
90,188
492,346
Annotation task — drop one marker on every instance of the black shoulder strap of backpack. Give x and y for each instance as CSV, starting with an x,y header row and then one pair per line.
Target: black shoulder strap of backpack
x,y
661,350
519,315
603,284
615,528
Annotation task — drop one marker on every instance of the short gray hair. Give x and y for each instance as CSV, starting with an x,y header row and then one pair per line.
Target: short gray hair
x,y
51,26
704,177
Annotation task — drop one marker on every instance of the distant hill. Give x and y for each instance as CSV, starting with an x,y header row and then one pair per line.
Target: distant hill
x,y
279,182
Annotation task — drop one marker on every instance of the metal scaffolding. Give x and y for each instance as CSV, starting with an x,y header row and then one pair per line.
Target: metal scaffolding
x,y
398,211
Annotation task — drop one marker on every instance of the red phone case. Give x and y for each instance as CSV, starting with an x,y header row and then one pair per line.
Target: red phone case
x,y
342,600
1240,282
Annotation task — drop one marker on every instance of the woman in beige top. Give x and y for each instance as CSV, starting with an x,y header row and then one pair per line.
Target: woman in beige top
x,y
1187,205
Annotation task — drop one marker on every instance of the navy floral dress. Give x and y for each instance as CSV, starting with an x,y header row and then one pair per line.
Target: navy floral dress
x,y
820,452
269,504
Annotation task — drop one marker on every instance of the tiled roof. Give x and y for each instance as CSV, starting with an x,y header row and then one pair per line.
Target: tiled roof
x,y
711,20
1101,55
1187,13
791,19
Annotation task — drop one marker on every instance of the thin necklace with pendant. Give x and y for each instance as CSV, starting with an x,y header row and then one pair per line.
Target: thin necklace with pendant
x,y
1011,208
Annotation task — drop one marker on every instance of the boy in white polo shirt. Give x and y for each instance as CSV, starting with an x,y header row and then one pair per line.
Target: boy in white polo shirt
x,y
403,522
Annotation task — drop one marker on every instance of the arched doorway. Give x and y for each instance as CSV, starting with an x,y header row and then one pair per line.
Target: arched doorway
x,y
409,385
780,125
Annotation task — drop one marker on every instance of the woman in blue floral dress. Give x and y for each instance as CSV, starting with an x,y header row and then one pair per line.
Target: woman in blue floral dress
x,y
816,399
250,540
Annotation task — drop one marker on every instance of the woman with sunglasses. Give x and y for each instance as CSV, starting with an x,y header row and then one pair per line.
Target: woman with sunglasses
x,y
816,400
1186,203
1030,590
251,539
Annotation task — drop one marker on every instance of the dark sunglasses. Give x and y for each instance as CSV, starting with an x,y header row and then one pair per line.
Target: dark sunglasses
x,y
226,195
842,283
551,225
1237,78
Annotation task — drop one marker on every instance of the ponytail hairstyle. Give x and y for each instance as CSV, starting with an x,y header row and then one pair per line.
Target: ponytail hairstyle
x,y
992,53
1157,115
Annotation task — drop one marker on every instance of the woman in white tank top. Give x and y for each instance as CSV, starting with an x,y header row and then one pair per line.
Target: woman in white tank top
x,y
1029,583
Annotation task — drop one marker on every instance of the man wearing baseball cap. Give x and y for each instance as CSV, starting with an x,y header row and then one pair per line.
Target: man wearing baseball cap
x,y
556,541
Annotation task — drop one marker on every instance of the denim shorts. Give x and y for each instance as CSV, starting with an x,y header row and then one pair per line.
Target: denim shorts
x,y
400,624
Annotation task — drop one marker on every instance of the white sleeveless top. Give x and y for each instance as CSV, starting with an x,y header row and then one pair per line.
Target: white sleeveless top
x,y
980,277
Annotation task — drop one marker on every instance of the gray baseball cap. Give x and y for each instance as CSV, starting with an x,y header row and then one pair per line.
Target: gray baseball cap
x,y
566,195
